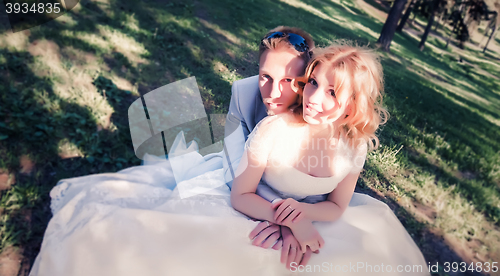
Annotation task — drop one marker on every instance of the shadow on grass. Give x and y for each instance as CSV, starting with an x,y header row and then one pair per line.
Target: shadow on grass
x,y
434,59
335,10
492,55
35,127
379,6
420,97
469,137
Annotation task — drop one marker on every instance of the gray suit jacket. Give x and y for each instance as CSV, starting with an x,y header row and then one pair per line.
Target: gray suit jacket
x,y
246,110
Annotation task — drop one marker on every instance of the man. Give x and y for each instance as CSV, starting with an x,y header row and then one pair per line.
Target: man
x,y
283,55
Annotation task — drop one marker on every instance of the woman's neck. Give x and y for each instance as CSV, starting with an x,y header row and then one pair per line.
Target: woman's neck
x,y
322,130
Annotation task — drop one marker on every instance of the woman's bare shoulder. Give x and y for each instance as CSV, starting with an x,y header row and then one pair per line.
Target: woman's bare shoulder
x,y
292,119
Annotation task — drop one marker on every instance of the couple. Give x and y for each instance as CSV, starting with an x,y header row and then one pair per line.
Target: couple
x,y
133,223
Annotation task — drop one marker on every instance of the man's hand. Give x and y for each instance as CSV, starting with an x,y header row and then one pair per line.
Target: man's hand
x,y
290,252
307,235
266,234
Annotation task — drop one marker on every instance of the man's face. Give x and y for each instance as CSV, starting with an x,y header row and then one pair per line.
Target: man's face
x,y
277,69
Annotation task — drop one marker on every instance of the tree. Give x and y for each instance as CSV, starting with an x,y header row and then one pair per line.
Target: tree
x,y
466,17
493,27
456,18
434,5
443,12
440,18
406,16
389,28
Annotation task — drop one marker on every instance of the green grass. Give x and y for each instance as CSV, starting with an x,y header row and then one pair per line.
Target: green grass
x,y
66,86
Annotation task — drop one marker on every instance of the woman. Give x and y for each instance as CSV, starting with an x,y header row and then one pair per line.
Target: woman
x,y
318,148
102,232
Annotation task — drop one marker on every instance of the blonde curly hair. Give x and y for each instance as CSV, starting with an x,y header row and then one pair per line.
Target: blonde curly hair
x,y
358,88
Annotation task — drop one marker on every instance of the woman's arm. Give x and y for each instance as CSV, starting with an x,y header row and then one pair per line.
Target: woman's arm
x,y
329,210
243,197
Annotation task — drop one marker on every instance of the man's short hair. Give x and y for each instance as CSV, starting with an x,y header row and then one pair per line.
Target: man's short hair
x,y
283,42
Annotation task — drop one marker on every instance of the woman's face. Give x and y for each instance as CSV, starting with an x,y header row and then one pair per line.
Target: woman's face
x,y
277,69
320,102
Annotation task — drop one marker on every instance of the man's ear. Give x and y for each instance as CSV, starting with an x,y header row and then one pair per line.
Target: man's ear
x,y
294,85
297,84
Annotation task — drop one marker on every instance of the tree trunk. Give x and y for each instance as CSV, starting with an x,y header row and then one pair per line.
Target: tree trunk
x,y
413,19
493,31
484,36
438,23
448,40
405,17
390,24
429,26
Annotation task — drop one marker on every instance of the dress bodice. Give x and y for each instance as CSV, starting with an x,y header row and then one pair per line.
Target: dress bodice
x,y
290,182
277,142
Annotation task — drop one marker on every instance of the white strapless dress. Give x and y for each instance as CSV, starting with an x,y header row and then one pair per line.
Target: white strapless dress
x,y
131,224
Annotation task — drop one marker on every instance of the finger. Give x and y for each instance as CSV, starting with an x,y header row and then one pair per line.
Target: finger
x,y
287,210
303,247
278,244
316,252
291,256
288,220
306,257
279,211
314,246
284,252
298,257
261,226
277,203
284,215
321,242
264,234
282,207
271,240
298,218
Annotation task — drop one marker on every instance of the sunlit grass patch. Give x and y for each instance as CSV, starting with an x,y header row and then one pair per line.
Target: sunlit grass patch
x,y
96,104
15,41
68,149
314,10
131,22
68,20
124,44
95,40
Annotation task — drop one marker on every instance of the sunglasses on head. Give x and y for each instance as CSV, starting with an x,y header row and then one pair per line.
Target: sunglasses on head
x,y
296,40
